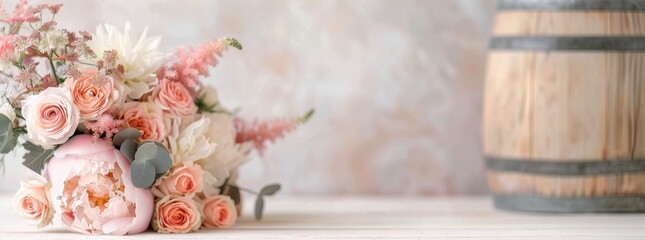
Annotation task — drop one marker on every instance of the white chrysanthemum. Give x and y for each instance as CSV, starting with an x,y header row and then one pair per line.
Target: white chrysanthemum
x,y
140,56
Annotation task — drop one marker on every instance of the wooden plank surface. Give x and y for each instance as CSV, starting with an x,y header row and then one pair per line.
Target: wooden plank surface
x,y
372,217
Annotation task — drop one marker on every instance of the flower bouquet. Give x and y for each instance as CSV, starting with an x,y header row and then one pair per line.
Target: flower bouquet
x,y
120,135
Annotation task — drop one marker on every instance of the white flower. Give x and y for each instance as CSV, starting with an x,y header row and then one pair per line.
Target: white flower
x,y
228,155
191,143
54,39
140,56
50,117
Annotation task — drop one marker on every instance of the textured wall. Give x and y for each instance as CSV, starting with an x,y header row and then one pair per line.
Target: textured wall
x,y
396,85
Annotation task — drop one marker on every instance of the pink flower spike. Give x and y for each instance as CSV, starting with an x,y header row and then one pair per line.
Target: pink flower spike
x,y
259,132
193,63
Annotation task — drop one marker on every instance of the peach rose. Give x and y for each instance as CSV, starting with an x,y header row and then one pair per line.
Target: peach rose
x,y
185,180
176,214
32,202
51,117
219,212
148,118
174,97
92,99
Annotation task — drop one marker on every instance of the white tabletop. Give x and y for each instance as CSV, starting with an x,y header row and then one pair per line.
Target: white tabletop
x,y
373,217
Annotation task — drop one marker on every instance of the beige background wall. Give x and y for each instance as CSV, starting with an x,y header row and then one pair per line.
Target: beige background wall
x,y
396,85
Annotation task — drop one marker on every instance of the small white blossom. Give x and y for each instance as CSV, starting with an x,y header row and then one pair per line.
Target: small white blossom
x,y
54,39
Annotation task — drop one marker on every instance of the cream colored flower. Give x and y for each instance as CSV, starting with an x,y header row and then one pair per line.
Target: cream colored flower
x,y
191,143
228,155
140,56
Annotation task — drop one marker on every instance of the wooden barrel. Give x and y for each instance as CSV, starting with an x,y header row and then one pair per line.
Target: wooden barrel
x,y
564,106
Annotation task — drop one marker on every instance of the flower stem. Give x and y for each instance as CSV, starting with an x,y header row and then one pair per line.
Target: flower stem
x,y
245,189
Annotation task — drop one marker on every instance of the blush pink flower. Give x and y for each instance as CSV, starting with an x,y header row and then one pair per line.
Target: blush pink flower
x,y
185,180
92,98
92,189
51,117
32,201
219,212
174,97
176,214
148,118
6,50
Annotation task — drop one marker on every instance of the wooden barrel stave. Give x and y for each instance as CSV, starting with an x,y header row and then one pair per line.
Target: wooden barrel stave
x,y
564,88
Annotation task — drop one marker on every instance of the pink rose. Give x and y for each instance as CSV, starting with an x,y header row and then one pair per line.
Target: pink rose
x,y
174,97
148,118
32,201
50,116
176,214
92,98
92,189
185,180
219,212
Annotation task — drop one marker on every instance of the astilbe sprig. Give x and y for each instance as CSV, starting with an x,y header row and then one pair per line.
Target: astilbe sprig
x,y
105,126
260,132
193,63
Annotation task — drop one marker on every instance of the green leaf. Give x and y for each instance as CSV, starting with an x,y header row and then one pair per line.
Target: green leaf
x,y
305,118
259,207
159,175
146,151
270,189
128,133
8,138
142,173
36,156
156,153
128,148
162,160
233,43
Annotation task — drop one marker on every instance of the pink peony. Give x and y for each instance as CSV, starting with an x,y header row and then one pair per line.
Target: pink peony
x,y
219,212
93,98
32,201
148,118
184,180
174,97
92,189
50,116
176,214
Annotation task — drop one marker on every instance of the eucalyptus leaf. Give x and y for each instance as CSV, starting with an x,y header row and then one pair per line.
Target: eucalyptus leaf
x,y
8,138
128,148
156,153
142,173
159,175
259,207
36,156
128,133
146,151
270,189
162,160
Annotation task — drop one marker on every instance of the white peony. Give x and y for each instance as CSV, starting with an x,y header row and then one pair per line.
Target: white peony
x,y
140,56
228,155
191,144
